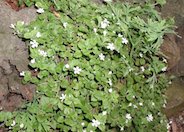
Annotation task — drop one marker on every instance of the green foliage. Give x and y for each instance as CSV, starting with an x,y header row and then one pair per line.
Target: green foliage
x,y
98,68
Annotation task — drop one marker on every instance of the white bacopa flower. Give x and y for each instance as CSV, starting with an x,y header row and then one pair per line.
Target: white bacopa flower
x,y
170,82
149,118
13,123
128,116
111,46
135,106
142,68
168,126
130,104
12,26
153,104
141,104
77,70
95,123
164,60
108,0
42,53
124,41
84,130
65,24
32,61
104,23
110,90
104,113
34,44
22,73
40,10
38,34
102,57
140,54
120,35
110,82
82,123
62,98
133,97
104,32
67,66
95,30
121,128
110,73
164,69
21,125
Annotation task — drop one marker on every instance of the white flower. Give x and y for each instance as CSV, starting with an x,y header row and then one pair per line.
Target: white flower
x,y
104,113
22,73
62,98
164,60
149,118
84,130
65,24
141,104
153,104
34,44
120,35
124,41
111,46
133,96
40,10
21,125
67,66
12,26
168,126
38,34
110,82
130,104
140,54
108,0
13,123
82,123
142,68
110,90
164,69
121,128
135,106
110,73
32,61
42,53
104,23
102,57
128,116
77,70
95,123
170,82
95,30
164,105
105,33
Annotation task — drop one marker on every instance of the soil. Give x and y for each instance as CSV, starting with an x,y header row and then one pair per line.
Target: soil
x,y
14,59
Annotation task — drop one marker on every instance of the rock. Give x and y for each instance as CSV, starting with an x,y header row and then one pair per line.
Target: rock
x,y
13,58
170,49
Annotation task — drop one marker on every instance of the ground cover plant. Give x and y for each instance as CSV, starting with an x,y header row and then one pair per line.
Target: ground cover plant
x,y
96,68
